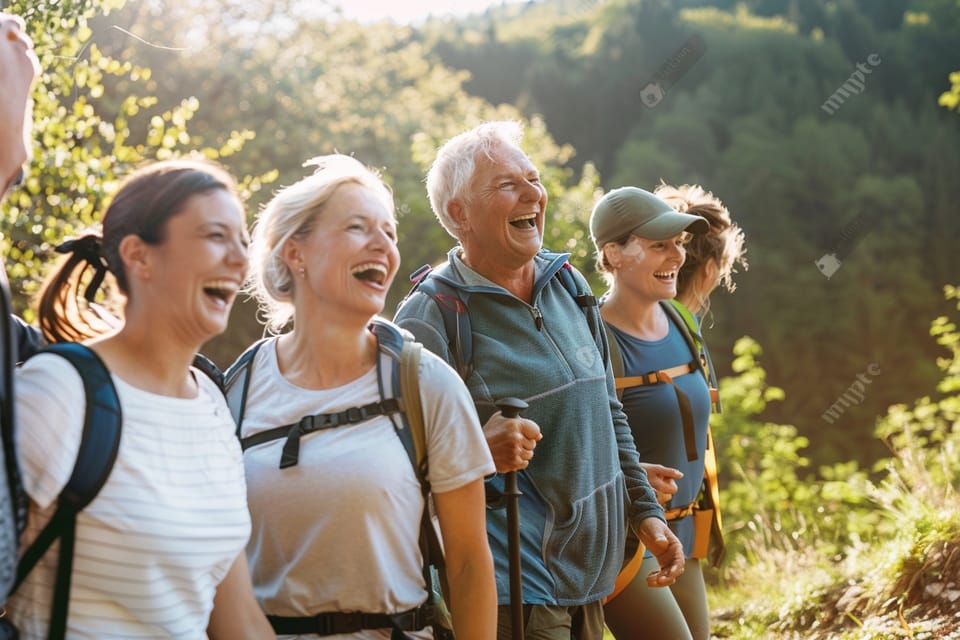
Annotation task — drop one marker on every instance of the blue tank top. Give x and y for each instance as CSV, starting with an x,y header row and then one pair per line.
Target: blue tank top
x,y
654,415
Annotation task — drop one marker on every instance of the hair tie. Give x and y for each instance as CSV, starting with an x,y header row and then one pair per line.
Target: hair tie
x,y
87,248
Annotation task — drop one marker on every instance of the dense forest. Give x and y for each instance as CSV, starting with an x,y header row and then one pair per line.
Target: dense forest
x,y
869,179
828,128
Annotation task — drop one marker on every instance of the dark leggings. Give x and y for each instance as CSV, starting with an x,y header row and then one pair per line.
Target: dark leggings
x,y
678,612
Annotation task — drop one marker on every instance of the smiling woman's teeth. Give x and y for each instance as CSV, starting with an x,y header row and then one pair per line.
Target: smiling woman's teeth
x,y
371,272
221,289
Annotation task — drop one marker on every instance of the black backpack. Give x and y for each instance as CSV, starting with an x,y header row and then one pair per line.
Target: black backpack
x,y
403,355
13,500
99,443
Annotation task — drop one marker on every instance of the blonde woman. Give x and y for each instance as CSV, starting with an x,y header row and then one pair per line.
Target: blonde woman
x,y
336,524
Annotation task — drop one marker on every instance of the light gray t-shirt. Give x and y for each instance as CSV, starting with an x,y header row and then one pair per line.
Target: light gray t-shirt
x,y
339,531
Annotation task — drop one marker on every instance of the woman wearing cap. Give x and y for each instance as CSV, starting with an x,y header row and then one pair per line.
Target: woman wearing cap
x,y
640,241
712,257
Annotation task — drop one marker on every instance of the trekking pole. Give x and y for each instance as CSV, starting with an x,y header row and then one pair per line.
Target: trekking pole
x,y
511,408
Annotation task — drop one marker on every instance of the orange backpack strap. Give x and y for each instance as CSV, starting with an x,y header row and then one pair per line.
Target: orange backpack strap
x,y
627,573
666,376
712,494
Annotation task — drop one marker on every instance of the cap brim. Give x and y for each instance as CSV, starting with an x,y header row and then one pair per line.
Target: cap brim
x,y
670,224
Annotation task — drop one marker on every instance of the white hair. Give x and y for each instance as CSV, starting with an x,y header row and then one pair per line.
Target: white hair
x,y
453,168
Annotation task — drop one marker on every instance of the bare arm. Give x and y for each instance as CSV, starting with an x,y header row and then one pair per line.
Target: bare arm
x,y
473,592
236,612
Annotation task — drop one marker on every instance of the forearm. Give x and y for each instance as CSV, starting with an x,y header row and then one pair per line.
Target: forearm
x,y
473,599
236,612
473,591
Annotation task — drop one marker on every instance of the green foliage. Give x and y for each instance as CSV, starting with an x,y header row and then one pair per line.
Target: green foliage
x,y
951,98
86,141
770,497
864,558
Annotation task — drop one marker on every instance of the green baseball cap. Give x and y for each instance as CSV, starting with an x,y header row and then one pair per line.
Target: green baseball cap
x,y
631,210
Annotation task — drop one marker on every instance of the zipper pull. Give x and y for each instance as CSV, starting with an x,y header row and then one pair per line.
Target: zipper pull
x,y
537,318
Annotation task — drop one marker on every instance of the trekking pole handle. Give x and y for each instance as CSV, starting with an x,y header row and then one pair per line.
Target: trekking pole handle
x,y
511,408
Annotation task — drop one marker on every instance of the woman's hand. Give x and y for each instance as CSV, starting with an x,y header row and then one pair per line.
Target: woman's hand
x,y
662,480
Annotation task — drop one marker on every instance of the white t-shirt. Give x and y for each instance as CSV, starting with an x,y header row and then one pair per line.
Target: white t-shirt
x,y
339,531
164,530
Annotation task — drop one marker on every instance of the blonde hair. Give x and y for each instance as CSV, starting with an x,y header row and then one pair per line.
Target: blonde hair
x,y
723,242
292,212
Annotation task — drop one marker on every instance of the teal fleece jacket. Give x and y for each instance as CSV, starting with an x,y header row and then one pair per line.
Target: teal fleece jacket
x,y
585,477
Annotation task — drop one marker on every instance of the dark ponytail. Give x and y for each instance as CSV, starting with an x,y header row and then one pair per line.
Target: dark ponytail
x,y
68,310
66,315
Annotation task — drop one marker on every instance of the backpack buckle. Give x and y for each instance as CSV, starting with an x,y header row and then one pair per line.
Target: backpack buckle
x,y
420,273
309,424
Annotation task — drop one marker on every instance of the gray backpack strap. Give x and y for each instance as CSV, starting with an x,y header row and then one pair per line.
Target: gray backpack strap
x,y
236,382
616,357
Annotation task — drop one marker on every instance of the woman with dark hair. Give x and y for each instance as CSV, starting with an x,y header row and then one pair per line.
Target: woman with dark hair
x,y
159,551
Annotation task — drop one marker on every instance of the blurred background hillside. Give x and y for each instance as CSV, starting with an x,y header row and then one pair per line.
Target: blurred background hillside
x,y
874,179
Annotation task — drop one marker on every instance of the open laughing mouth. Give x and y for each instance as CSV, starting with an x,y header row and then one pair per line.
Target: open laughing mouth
x,y
665,276
371,272
528,221
221,290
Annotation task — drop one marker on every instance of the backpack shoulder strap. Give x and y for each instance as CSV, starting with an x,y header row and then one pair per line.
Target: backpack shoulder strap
x,y
452,303
102,424
685,321
687,325
209,368
404,380
236,382
413,409
412,433
99,444
616,359
588,303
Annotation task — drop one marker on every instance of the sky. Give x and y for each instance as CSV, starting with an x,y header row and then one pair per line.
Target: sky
x,y
407,11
